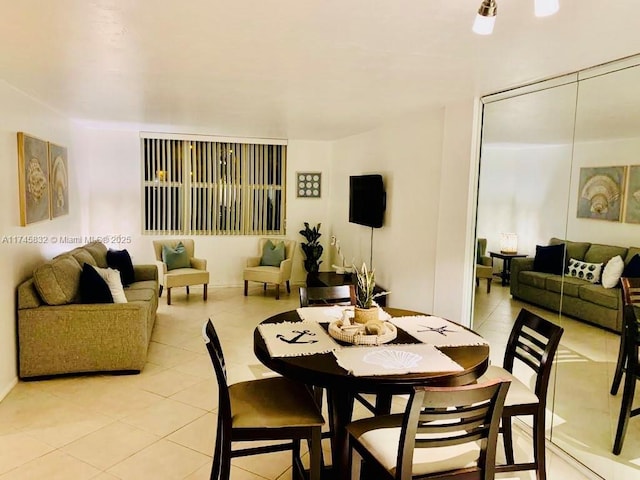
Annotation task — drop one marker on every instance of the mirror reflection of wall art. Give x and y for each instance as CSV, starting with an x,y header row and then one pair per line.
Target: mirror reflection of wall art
x,y
632,205
309,184
59,180
600,195
33,171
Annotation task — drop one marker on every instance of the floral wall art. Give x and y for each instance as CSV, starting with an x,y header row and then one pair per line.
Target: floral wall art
x,y
43,179
632,204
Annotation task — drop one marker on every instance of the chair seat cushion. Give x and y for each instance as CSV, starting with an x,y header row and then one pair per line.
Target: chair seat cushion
x,y
183,277
263,274
381,435
518,394
272,403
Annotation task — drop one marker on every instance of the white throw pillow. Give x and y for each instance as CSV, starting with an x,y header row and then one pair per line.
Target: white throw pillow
x,y
584,270
112,277
612,272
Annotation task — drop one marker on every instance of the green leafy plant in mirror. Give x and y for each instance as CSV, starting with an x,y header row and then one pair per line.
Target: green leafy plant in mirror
x,y
312,249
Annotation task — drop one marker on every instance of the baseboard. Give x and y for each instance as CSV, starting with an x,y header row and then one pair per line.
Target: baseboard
x,y
5,391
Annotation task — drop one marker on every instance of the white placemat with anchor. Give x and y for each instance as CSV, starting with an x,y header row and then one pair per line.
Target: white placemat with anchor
x,y
437,331
394,359
293,339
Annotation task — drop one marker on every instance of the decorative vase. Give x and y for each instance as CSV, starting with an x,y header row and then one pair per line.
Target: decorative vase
x,y
363,315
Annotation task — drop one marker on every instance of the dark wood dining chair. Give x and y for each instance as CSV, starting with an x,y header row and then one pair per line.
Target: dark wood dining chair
x,y
533,342
269,409
627,359
319,296
630,293
445,432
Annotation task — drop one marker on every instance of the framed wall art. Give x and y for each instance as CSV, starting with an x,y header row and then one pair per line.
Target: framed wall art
x,y
33,171
601,193
309,184
59,180
632,197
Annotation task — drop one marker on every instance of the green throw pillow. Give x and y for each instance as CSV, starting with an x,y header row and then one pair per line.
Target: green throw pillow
x,y
272,255
175,257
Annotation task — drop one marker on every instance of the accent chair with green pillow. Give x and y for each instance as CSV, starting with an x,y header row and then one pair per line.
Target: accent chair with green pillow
x,y
178,267
580,298
270,266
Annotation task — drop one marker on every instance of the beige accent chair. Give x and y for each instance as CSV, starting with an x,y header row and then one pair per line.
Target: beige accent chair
x,y
254,272
484,264
181,277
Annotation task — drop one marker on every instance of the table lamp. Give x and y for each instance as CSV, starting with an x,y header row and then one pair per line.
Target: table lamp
x,y
508,243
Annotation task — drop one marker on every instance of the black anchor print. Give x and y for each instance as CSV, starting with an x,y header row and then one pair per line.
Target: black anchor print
x,y
296,339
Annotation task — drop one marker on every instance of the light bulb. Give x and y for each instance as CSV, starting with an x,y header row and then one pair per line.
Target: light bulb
x,y
544,8
483,25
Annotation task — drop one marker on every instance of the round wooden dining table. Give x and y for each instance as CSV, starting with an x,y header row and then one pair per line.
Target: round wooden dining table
x,y
322,370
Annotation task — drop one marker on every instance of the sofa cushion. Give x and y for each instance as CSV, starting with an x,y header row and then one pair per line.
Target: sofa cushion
x,y
99,251
606,297
93,287
83,256
549,259
575,250
584,270
139,295
603,253
632,269
272,255
534,279
121,261
58,281
112,277
565,284
632,252
612,272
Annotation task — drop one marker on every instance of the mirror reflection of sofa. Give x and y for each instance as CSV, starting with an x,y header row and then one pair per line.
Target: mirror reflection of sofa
x,y
574,296
59,334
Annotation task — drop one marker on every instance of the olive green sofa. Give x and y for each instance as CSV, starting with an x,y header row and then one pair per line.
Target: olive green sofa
x,y
59,335
577,298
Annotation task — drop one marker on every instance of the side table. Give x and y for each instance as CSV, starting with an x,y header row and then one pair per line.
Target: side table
x,y
506,258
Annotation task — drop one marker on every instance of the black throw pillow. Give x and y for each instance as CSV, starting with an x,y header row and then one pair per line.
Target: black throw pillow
x,y
121,261
93,288
549,259
632,269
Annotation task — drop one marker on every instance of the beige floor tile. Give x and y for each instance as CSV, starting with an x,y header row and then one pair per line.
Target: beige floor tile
x,y
167,355
110,445
168,382
18,448
163,460
202,395
56,465
198,435
164,418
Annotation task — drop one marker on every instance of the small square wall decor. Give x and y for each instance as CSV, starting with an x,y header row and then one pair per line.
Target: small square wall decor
x,y
309,184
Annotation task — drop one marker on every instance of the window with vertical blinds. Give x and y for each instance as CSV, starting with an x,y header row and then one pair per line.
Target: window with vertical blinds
x,y
213,188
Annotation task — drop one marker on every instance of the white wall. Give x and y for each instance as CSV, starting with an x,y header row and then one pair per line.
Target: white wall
x,y
409,155
17,259
113,201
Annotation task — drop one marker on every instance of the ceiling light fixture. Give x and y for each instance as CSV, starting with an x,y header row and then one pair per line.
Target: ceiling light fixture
x,y
486,17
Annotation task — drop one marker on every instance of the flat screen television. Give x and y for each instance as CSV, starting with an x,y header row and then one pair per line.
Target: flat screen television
x,y
367,200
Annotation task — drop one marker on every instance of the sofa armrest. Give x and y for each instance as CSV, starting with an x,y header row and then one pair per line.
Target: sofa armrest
x,y
145,272
285,268
519,265
253,261
198,263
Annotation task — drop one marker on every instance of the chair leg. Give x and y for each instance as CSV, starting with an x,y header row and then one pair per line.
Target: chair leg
x,y
625,411
187,289
477,281
539,453
246,287
315,454
168,296
277,291
204,293
620,365
507,438
488,285
288,287
160,291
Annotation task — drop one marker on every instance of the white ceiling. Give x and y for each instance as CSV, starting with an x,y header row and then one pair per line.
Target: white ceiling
x,y
305,69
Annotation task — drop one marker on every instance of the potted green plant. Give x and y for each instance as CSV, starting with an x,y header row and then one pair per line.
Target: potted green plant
x,y
312,249
366,309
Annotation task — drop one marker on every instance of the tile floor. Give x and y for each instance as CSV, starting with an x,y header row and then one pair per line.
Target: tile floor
x,y
160,424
